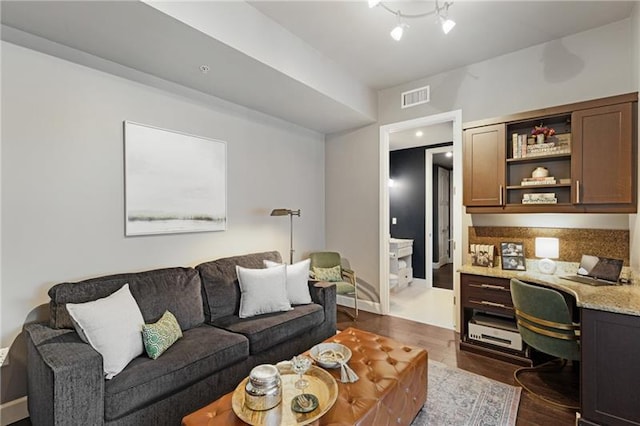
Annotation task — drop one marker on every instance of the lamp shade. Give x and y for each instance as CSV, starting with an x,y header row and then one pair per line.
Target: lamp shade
x,y
280,212
547,247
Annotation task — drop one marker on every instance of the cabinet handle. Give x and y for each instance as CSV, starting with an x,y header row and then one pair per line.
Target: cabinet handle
x,y
497,305
488,286
501,196
577,192
492,304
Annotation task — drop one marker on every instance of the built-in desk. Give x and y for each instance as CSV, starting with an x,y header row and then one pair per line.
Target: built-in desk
x,y
610,338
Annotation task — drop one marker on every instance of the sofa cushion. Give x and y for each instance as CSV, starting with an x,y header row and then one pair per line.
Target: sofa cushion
x,y
220,288
268,330
262,291
111,326
175,289
201,352
297,281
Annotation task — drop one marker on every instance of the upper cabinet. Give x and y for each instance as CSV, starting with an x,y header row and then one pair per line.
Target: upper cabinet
x,y
483,171
603,163
568,159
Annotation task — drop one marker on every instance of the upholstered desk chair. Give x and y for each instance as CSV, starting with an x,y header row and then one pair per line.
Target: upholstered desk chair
x,y
544,322
327,266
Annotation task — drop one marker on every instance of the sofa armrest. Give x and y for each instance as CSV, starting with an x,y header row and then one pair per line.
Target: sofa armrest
x,y
65,378
324,293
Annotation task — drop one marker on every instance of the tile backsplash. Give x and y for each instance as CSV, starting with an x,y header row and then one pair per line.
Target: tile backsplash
x,y
573,242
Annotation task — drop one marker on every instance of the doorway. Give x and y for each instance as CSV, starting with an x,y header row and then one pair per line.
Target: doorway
x,y
454,118
441,162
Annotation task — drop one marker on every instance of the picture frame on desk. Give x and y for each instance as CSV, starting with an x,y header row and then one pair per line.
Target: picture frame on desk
x,y
482,255
513,256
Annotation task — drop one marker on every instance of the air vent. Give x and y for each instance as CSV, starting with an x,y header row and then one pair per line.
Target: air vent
x,y
414,97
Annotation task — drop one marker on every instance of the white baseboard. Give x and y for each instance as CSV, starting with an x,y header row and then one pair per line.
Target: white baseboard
x,y
12,411
365,305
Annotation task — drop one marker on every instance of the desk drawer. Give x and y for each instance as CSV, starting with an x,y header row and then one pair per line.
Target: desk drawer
x,y
491,294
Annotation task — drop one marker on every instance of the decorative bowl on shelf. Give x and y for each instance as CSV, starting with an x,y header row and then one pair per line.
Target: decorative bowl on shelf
x,y
330,355
540,172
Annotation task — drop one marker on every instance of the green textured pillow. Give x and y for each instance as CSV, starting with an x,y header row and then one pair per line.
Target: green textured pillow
x,y
159,337
327,274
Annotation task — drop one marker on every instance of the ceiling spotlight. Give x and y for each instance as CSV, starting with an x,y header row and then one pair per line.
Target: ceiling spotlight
x,y
397,31
447,24
419,133
204,69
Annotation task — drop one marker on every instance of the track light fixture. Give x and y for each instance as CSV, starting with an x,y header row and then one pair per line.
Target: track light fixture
x,y
442,13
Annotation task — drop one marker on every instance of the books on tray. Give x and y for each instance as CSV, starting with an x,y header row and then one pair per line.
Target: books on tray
x,y
521,148
549,180
540,198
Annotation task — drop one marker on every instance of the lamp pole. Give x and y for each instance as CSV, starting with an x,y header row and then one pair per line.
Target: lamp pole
x,y
291,238
291,214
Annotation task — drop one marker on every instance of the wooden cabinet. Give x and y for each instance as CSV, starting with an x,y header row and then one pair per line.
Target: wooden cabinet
x,y
487,295
602,162
400,265
595,173
484,172
610,369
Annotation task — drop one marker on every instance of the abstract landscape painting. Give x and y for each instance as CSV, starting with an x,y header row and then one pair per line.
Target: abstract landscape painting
x,y
174,182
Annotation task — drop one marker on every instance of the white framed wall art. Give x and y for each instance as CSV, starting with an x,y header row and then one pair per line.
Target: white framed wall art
x,y
174,182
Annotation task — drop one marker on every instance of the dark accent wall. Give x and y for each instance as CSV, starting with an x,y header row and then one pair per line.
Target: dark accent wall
x,y
407,201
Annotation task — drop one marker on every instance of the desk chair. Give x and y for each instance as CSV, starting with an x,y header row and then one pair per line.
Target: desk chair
x,y
544,322
345,279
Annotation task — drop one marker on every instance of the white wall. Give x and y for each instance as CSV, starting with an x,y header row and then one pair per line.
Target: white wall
x,y
352,212
583,66
63,180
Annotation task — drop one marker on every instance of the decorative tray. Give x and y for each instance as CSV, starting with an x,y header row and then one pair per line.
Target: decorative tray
x,y
321,384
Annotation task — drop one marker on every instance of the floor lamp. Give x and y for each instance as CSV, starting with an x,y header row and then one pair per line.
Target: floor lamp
x,y
291,214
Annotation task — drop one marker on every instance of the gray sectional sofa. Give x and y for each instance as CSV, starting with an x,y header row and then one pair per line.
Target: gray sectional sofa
x,y
218,349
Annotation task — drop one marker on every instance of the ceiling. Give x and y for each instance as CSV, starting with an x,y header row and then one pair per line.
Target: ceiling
x,y
357,37
317,64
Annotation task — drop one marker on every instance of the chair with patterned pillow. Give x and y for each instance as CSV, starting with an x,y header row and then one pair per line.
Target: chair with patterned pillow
x,y
327,266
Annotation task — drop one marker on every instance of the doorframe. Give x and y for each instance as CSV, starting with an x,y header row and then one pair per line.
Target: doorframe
x,y
451,116
428,218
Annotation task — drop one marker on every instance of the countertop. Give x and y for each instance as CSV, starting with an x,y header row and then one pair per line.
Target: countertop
x,y
621,299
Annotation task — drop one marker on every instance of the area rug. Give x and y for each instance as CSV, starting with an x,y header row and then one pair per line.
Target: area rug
x,y
459,398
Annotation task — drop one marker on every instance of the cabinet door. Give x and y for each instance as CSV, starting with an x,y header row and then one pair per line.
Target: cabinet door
x,y
484,166
610,368
603,164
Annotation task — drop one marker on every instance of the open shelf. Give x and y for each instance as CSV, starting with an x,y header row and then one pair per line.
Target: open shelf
x,y
551,185
538,158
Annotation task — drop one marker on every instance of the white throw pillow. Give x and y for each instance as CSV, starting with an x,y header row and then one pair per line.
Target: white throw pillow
x,y
262,291
112,326
297,281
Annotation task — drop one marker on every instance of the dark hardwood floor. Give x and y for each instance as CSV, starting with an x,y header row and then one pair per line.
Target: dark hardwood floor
x,y
442,346
443,277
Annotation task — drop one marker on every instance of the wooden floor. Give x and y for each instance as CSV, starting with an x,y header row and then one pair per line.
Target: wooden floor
x,y
443,277
442,346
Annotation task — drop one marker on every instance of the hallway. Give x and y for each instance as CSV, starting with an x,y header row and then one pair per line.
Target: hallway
x,y
420,303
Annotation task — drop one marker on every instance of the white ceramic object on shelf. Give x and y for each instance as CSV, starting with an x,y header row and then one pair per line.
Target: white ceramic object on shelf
x,y
540,172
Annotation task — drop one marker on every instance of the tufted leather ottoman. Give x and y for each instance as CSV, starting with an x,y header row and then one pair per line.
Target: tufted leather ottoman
x,y
391,391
